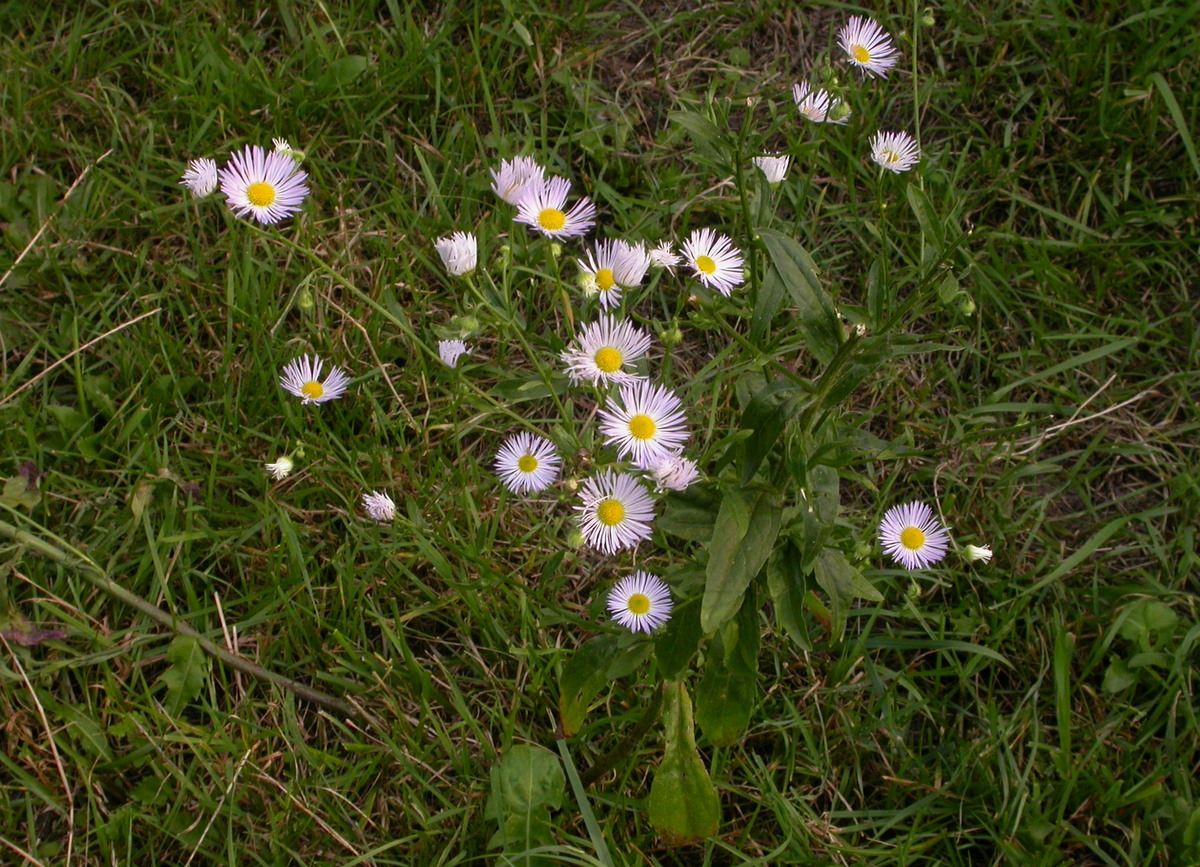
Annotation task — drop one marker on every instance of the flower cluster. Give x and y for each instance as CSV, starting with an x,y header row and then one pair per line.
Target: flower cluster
x,y
268,186
870,49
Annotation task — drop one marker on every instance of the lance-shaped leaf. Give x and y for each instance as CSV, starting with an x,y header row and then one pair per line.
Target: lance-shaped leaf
x,y
684,806
740,545
794,267
583,676
844,584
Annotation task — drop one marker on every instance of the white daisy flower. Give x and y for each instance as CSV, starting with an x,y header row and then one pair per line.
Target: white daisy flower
x,y
616,511
201,177
379,506
459,252
302,377
265,185
675,473
640,602
895,151
645,423
605,348
775,168
613,266
819,106
281,468
541,208
664,256
912,536
511,181
527,463
868,46
450,350
714,260
978,553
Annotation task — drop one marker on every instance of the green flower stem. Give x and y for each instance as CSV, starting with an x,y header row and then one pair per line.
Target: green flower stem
x,y
629,743
81,565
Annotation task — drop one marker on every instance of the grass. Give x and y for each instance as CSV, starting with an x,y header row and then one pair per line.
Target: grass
x,y
964,720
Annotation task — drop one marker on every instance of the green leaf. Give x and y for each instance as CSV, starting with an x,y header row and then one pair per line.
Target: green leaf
x,y
823,492
526,785
18,492
724,700
739,548
684,806
678,642
926,216
843,583
709,139
1118,677
582,678
341,72
788,598
794,267
766,416
185,674
1147,620
687,520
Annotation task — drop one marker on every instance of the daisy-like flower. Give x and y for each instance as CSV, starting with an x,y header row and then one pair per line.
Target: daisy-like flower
x,y
527,463
640,602
615,513
714,260
201,177
978,553
302,377
511,181
895,151
868,46
646,423
281,468
675,473
450,350
459,252
774,167
605,348
664,256
613,266
265,185
912,536
819,106
541,208
379,506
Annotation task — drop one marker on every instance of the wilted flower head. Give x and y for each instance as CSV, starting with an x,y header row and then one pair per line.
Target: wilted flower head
x,y
664,256
980,553
200,177
450,350
379,506
514,177
819,106
281,468
459,252
774,167
675,473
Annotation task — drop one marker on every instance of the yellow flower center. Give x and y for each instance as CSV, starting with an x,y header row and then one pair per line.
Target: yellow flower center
x,y
552,219
706,264
527,463
261,194
610,513
860,54
608,359
912,538
642,427
605,279
313,390
890,156
638,603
